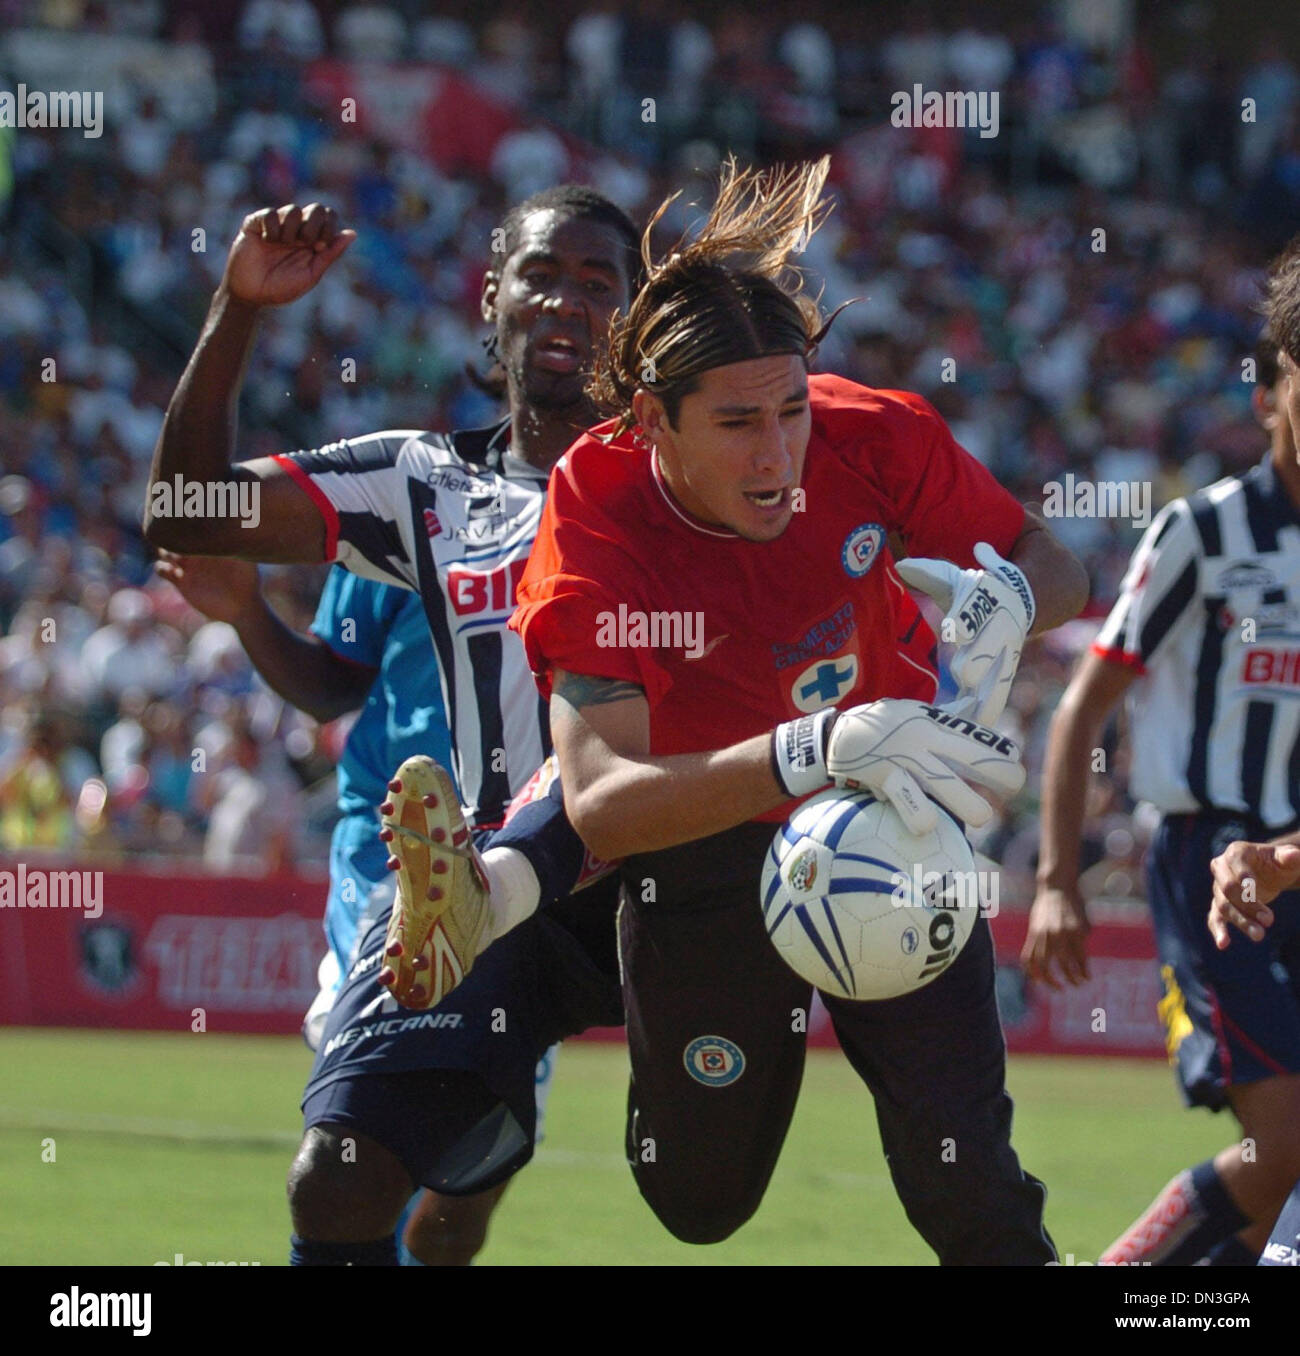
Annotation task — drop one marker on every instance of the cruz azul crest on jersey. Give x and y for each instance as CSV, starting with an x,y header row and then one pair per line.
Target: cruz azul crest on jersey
x,y
861,547
714,1061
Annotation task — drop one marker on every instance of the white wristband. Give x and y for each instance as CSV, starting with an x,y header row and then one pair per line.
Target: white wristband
x,y
799,752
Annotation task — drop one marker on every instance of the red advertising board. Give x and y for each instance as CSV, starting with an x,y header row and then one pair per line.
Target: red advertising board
x,y
162,945
1114,1013
245,951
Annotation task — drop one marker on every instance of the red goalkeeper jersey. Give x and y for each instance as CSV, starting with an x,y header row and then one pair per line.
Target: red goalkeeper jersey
x,y
728,637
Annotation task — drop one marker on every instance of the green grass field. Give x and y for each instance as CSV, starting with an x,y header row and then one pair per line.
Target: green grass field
x,y
167,1144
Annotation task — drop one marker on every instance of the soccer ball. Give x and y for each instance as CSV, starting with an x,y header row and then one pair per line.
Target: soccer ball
x,y
859,906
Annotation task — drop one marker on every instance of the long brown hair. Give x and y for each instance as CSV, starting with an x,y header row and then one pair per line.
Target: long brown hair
x,y
1282,299
729,295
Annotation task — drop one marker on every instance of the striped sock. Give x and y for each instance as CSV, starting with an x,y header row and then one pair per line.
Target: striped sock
x,y
1193,1214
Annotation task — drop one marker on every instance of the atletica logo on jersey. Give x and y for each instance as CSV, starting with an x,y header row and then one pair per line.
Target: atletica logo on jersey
x,y
714,1061
824,683
1246,574
861,547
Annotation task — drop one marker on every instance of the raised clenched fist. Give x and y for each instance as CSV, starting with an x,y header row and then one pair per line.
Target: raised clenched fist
x,y
281,253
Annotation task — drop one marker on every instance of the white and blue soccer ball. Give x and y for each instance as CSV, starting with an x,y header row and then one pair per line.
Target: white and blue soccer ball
x,y
861,907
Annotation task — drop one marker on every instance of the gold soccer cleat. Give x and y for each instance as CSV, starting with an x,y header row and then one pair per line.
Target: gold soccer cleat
x,y
439,922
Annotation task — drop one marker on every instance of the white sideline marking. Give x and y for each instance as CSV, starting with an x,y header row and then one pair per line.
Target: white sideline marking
x,y
143,1127
197,1132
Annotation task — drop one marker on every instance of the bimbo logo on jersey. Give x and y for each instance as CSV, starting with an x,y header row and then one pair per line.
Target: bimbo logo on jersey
x,y
1271,667
474,591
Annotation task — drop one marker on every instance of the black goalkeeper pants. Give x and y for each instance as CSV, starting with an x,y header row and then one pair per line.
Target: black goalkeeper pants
x,y
716,1024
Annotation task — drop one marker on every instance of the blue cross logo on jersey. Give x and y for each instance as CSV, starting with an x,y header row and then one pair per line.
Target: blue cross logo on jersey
x,y
822,684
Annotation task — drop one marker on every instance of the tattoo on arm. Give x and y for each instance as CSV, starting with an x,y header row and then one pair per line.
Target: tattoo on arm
x,y
579,690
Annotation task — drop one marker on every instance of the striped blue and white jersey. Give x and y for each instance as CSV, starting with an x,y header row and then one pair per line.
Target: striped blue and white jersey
x,y
1209,617
451,517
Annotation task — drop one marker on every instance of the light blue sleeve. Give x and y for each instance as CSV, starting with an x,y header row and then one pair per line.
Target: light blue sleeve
x,y
353,616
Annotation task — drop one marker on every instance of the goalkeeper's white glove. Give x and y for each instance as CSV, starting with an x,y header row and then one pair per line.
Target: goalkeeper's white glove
x,y
989,613
902,751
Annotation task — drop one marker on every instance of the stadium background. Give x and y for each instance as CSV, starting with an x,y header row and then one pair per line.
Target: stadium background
x,y
1123,364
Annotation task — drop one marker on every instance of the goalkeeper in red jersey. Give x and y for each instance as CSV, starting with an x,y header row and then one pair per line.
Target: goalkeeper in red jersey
x,y
714,610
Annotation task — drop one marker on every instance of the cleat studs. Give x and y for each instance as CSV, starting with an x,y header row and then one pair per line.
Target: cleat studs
x,y
420,963
395,784
394,949
439,865
392,864
431,801
439,835
386,977
386,835
417,993
434,892
386,808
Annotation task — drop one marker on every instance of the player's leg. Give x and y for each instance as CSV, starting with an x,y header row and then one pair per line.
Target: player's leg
x,y
370,1140
716,1025
455,899
450,1093
450,1231
1283,1246
935,1062
1260,1170
540,849
1232,1023
404,1097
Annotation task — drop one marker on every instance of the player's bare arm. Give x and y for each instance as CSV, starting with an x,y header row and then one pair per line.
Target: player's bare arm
x,y
279,255
1056,576
622,800
1248,877
1058,921
301,668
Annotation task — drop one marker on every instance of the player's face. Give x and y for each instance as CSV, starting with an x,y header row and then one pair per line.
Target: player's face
x,y
1288,392
552,304
737,452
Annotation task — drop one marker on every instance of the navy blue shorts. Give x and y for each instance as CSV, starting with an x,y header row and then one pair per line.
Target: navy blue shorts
x,y
384,1070
1231,1016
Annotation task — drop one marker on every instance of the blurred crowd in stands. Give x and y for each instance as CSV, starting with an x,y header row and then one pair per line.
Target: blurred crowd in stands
x,y
1075,294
